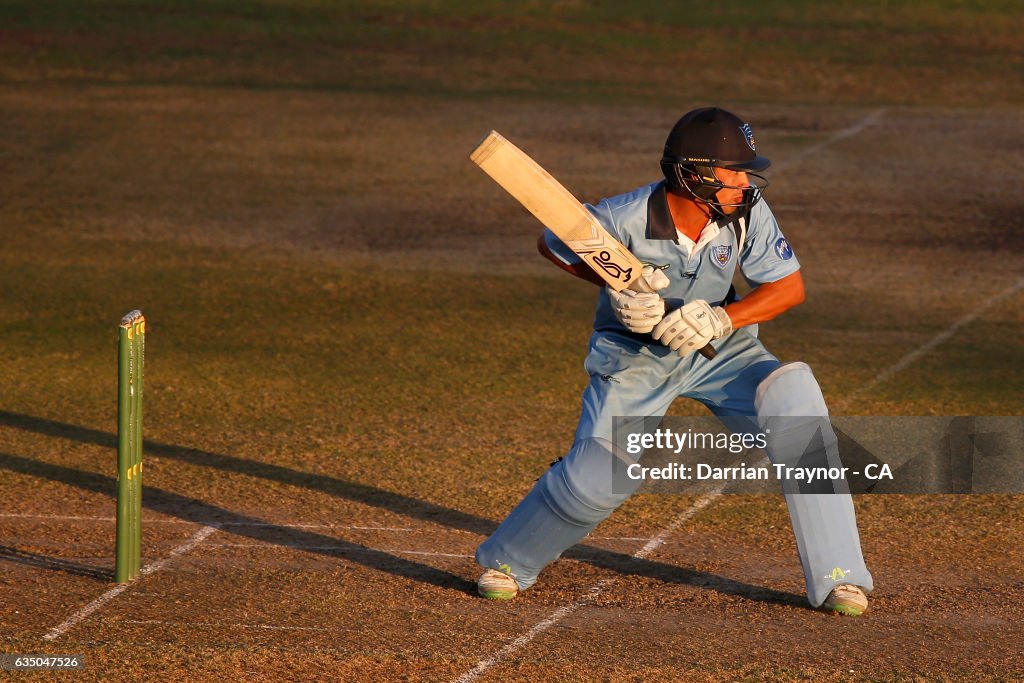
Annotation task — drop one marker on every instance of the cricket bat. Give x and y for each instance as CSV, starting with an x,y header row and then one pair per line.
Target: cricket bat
x,y
563,214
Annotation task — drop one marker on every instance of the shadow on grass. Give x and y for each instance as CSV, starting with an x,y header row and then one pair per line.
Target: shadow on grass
x,y
30,559
203,513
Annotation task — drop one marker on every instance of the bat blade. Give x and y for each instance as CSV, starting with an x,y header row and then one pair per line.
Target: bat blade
x,y
563,214
556,207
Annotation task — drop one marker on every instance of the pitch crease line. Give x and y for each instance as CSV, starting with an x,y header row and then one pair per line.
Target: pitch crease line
x,y
832,139
921,351
196,539
562,612
701,503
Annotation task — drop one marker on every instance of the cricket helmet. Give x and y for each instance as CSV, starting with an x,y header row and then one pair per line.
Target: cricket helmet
x,y
706,139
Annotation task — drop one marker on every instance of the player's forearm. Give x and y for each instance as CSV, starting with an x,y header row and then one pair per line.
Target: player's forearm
x,y
580,270
767,301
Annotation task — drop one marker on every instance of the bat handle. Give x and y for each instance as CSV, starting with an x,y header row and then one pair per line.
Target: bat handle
x,y
640,285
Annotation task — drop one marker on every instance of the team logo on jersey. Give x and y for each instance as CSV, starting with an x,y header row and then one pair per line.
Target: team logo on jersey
x,y
721,254
748,135
783,249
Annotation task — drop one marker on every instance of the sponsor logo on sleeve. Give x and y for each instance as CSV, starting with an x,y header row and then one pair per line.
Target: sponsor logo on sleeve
x,y
783,250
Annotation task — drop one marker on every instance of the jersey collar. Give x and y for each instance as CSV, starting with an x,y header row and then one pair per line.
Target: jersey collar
x,y
659,221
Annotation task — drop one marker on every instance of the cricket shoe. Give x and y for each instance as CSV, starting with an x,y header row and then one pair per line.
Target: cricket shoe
x,y
846,599
495,585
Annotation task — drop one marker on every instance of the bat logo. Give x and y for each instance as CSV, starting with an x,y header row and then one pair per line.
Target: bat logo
x,y
604,259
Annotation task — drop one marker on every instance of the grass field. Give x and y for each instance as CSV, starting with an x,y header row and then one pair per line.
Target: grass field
x,y
331,429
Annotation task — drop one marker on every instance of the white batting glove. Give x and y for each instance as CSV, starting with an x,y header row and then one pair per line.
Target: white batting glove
x,y
691,327
641,311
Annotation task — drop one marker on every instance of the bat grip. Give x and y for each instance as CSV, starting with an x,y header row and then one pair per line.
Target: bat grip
x,y
640,285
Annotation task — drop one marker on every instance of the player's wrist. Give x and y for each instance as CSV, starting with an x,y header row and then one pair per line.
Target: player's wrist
x,y
724,326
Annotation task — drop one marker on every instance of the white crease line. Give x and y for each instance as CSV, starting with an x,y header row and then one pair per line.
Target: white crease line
x,y
701,503
919,352
196,538
659,540
832,139
592,593
556,616
62,517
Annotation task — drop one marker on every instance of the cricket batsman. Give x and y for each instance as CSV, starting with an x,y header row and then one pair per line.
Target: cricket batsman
x,y
691,230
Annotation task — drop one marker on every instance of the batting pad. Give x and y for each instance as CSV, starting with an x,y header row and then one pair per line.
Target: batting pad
x,y
791,412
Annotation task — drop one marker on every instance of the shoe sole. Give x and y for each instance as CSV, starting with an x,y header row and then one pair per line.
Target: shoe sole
x,y
498,594
846,610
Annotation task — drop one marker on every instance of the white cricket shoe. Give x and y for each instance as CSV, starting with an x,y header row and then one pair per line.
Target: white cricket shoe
x,y
846,599
494,585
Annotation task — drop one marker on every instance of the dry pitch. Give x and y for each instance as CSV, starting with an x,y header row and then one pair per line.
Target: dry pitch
x,y
357,364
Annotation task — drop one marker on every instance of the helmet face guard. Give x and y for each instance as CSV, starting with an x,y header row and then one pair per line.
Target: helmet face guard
x,y
698,178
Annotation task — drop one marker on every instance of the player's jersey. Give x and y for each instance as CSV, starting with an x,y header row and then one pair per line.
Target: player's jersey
x,y
641,221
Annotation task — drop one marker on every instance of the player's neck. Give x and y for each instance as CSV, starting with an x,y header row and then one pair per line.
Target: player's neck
x,y
689,216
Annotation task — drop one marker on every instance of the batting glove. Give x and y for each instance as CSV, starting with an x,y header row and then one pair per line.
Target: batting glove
x,y
691,327
640,311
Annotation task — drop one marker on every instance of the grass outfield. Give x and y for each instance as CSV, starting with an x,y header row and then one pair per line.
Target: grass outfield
x,y
357,362
922,52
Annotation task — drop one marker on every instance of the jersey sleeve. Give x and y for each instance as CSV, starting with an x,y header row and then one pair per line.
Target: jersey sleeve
x,y
602,212
767,255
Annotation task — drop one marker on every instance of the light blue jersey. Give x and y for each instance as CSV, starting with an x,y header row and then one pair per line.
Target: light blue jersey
x,y
641,221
